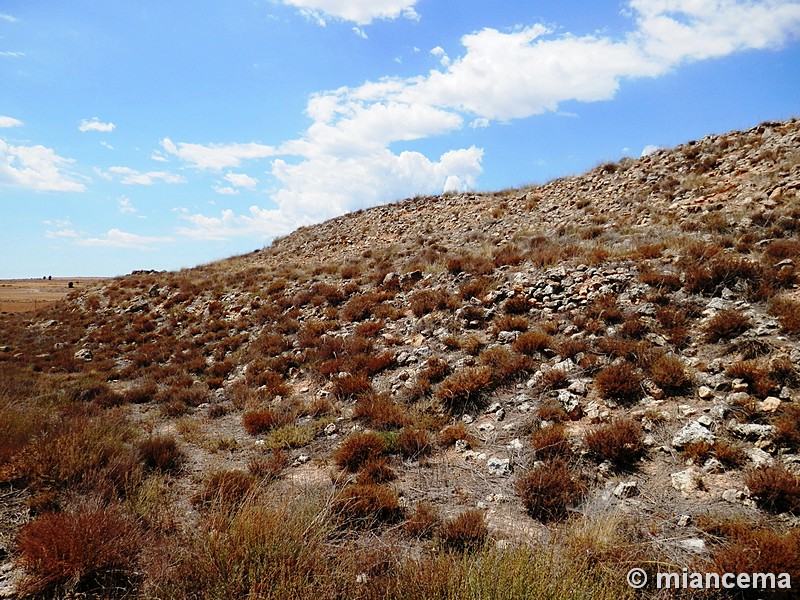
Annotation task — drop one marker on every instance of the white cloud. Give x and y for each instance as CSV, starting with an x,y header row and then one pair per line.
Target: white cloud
x,y
115,238
63,229
241,180
125,206
344,161
10,54
36,168
9,18
226,190
360,33
96,124
130,176
216,156
649,149
263,223
360,12
439,53
9,122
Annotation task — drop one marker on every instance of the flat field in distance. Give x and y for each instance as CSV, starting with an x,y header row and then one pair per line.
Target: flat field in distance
x,y
26,295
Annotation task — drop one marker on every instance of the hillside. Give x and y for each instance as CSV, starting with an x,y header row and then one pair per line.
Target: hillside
x,y
523,393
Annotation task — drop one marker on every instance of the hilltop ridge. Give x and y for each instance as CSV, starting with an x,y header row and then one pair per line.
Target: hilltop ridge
x,y
606,364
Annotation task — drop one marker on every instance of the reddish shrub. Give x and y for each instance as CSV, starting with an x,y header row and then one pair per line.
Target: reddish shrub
x,y
268,467
358,449
376,471
414,443
621,442
532,342
505,365
620,382
92,549
367,505
550,489
788,313
225,487
464,387
161,453
452,433
465,532
516,305
669,373
260,421
350,386
380,411
427,301
726,324
756,375
551,442
775,489
424,522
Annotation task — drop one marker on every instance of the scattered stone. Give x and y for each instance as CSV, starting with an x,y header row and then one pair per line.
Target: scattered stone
x,y
515,444
770,404
330,429
692,433
752,431
687,481
684,520
758,457
734,496
84,354
626,489
461,446
500,467
695,545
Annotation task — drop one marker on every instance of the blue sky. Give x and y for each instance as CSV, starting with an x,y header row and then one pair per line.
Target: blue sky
x,y
162,135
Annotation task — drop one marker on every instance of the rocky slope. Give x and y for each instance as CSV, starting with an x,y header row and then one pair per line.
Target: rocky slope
x,y
483,336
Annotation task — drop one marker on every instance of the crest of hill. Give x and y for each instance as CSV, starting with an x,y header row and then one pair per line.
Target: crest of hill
x,y
736,172
600,365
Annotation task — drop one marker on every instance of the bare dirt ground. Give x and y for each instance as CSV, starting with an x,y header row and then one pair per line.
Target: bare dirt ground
x,y
27,295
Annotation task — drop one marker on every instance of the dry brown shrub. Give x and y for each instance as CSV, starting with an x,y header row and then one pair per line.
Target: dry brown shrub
x,y
550,489
464,387
161,453
782,249
698,452
225,488
551,410
358,449
605,309
509,254
428,301
555,379
674,324
91,549
755,374
775,489
723,270
532,342
516,305
787,426
174,408
505,365
633,326
376,471
414,442
569,347
424,522
350,386
729,454
268,467
475,287
726,324
260,421
787,312
551,442
367,505
380,411
511,323
669,373
620,382
466,532
621,442
360,307
452,433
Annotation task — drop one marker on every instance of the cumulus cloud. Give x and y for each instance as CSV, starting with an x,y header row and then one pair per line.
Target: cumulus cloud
x,y
216,157
259,222
8,18
125,206
96,124
115,238
130,176
242,180
357,11
344,159
36,168
9,122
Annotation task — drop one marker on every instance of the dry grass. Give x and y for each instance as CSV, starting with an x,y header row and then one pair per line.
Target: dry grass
x,y
551,442
161,453
464,387
531,343
726,324
670,374
367,505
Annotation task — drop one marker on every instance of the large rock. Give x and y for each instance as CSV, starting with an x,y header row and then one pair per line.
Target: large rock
x,y
692,433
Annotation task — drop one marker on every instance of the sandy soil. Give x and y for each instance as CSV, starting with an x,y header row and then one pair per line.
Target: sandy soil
x,y
25,295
